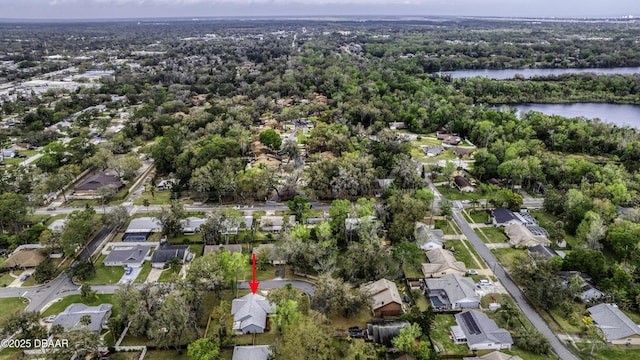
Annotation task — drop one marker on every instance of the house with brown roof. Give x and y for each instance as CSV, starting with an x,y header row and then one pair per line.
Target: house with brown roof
x,y
463,184
441,263
25,258
520,235
386,300
97,180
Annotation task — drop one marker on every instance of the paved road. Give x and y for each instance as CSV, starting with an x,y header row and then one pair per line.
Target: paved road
x,y
527,309
187,208
307,287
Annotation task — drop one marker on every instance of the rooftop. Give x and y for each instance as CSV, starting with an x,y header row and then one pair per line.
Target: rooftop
x,y
613,322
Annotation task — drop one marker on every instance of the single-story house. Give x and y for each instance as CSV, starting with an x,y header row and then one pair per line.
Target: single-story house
x,y
232,248
25,258
463,184
9,153
588,291
246,222
255,352
166,184
133,257
57,225
139,229
495,355
520,235
192,224
275,258
250,313
429,239
385,298
463,151
503,217
441,263
447,138
71,316
383,331
274,223
480,332
452,292
434,150
618,329
98,180
167,252
396,125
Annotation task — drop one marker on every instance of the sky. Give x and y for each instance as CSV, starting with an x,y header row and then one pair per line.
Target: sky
x,y
105,9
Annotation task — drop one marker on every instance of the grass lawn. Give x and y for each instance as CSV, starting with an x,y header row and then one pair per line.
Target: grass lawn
x,y
339,322
493,234
37,219
267,338
455,194
30,282
196,249
547,221
571,324
5,278
183,239
10,354
507,256
167,275
613,352
53,218
59,306
11,306
267,274
159,198
526,355
461,253
445,226
144,272
413,271
105,274
479,216
440,336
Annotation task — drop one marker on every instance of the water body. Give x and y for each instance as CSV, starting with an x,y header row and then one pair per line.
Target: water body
x,y
618,114
528,73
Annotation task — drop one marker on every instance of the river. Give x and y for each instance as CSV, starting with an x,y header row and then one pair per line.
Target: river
x,y
527,73
619,114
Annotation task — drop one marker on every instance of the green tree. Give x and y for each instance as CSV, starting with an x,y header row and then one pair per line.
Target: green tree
x,y
300,207
169,218
287,315
44,271
84,270
204,349
13,212
308,339
271,139
530,339
406,342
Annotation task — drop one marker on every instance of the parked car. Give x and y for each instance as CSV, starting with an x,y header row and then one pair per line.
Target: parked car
x,y
50,318
356,332
485,282
51,208
128,270
24,277
472,272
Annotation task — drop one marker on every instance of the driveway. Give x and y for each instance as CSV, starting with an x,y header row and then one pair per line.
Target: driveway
x,y
154,275
17,282
131,277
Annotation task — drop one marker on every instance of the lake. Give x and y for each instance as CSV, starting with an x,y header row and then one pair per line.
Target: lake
x,y
527,73
619,114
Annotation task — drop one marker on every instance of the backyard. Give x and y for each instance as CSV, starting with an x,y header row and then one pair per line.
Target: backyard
x,y
440,335
453,193
462,253
105,274
491,234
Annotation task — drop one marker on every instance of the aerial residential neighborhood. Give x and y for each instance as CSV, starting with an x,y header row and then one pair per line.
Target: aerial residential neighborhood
x,y
318,188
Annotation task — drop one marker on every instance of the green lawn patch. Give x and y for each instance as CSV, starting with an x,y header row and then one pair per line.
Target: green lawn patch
x,y
196,249
507,256
144,272
30,282
267,274
159,198
339,322
479,216
412,271
59,306
452,193
185,239
11,306
613,352
267,338
440,336
167,275
445,226
5,278
10,353
461,253
493,234
105,274
547,221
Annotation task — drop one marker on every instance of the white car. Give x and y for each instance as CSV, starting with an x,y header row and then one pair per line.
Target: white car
x,y
50,318
472,272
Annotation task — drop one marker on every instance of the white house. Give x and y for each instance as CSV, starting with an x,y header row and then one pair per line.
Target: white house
x,y
250,313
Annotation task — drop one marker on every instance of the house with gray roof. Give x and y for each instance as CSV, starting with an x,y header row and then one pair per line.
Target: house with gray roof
x,y
429,239
97,180
167,252
133,257
452,292
246,222
480,332
616,326
434,150
191,225
250,313
383,331
57,225
71,317
256,352
495,355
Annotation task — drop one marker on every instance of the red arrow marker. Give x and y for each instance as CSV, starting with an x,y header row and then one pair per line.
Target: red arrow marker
x,y
253,284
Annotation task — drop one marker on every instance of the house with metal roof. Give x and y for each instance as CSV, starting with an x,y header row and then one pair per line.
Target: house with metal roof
x,y
480,332
133,257
71,317
616,326
452,292
250,313
385,298
441,263
255,352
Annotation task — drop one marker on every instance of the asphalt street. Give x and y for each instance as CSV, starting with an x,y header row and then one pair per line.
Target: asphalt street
x,y
527,309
